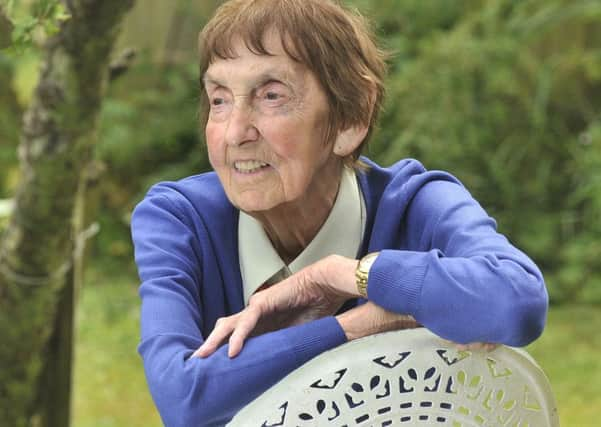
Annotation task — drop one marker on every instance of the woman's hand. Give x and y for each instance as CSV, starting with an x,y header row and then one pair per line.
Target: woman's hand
x,y
476,346
369,318
316,291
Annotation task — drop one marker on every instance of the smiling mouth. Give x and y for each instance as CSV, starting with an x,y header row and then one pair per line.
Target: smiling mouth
x,y
249,166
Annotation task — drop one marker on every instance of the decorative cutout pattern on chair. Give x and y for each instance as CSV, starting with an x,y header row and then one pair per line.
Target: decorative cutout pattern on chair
x,y
408,378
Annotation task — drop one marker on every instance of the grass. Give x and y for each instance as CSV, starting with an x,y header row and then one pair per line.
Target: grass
x,y
569,353
109,385
110,390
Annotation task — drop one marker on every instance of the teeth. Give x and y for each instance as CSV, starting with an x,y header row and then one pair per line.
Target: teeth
x,y
249,165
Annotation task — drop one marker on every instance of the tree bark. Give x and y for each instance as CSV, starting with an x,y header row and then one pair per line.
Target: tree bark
x,y
10,111
56,146
6,28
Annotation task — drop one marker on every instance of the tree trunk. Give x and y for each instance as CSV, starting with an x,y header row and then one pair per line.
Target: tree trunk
x,y
36,250
10,111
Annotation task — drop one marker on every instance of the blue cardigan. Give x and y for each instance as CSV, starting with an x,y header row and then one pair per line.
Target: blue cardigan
x,y
442,261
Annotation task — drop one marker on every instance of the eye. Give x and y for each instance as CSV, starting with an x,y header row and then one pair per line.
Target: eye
x,y
220,103
218,100
274,94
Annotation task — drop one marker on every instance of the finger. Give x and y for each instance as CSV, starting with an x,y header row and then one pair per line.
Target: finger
x,y
246,323
286,296
458,346
475,346
468,347
223,328
490,346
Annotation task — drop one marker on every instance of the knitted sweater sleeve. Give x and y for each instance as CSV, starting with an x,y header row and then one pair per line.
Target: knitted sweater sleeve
x,y
457,275
193,391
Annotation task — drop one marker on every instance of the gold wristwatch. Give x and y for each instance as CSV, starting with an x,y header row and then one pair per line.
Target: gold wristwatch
x,y
362,272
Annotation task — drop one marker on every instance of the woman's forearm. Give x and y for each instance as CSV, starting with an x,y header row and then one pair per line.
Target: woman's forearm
x,y
194,391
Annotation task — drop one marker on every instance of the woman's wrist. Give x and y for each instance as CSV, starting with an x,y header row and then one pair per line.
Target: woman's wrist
x,y
348,323
340,273
369,318
362,272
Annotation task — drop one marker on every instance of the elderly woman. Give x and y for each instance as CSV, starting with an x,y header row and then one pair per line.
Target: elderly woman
x,y
251,270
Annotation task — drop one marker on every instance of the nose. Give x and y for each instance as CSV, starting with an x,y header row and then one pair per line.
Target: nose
x,y
241,124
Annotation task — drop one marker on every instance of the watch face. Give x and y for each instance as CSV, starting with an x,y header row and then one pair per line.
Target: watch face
x,y
367,261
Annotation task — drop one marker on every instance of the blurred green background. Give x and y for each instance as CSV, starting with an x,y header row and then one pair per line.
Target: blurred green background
x,y
505,94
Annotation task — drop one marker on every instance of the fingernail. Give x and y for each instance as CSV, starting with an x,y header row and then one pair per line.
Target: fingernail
x,y
201,352
232,352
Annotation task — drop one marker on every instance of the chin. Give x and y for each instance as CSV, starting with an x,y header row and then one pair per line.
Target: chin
x,y
256,206
257,200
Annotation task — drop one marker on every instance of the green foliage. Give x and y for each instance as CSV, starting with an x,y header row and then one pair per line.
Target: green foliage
x,y
505,95
109,389
148,133
150,123
40,18
568,353
9,125
508,98
22,25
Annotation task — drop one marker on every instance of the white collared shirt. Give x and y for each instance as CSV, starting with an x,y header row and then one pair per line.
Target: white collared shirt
x,y
340,234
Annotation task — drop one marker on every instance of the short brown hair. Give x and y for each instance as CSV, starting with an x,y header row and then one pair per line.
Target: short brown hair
x,y
335,43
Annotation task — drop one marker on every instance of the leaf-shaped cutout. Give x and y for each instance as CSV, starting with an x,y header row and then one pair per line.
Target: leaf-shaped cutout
x,y
475,381
321,406
374,382
429,373
412,374
509,405
357,387
305,417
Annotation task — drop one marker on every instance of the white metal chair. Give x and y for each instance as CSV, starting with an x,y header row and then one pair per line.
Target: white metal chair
x,y
407,378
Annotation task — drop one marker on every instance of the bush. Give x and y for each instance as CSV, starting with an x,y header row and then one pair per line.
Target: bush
x,y
508,99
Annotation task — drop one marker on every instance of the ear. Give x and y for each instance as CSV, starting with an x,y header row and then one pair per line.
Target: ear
x,y
349,139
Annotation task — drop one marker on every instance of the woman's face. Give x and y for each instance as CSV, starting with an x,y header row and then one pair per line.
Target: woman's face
x,y
266,128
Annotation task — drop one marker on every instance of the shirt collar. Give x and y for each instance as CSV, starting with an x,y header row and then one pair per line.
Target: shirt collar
x,y
340,234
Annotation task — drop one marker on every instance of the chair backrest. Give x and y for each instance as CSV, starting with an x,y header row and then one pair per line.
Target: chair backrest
x,y
406,378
